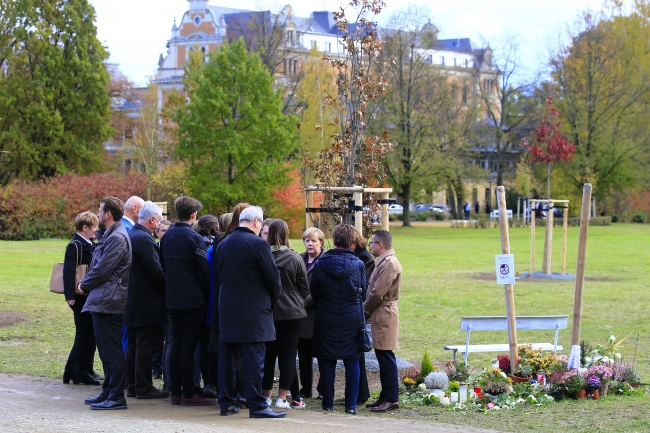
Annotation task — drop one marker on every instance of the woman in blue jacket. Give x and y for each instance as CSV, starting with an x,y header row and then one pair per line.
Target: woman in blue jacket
x,y
338,289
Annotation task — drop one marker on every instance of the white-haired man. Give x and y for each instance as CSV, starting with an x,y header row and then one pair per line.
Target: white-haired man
x,y
248,284
145,304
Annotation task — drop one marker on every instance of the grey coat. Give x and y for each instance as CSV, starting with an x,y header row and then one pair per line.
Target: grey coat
x,y
108,278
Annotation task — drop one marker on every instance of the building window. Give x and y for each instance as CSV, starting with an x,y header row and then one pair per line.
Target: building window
x,y
290,37
430,59
466,63
465,94
442,60
455,61
197,20
128,134
314,44
328,47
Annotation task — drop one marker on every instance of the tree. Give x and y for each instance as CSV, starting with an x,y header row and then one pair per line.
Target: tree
x,y
427,122
147,148
504,100
316,117
233,132
550,146
54,107
602,86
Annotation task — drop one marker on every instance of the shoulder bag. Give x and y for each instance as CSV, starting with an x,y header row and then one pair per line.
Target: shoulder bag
x,y
56,280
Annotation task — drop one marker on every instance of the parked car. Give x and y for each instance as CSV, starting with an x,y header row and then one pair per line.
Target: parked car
x,y
395,209
430,208
441,208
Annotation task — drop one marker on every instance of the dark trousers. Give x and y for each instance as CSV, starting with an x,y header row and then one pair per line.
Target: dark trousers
x,y
327,369
186,329
253,366
158,352
82,354
141,344
305,363
284,348
364,391
167,355
388,375
108,334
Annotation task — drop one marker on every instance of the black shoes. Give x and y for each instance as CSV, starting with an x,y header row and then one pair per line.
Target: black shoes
x,y
85,380
109,405
351,411
153,393
130,391
95,376
267,413
93,400
231,410
209,391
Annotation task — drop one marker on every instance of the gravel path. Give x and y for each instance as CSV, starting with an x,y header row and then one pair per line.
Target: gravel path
x,y
41,405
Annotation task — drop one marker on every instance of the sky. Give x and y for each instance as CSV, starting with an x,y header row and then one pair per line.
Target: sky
x,y
136,31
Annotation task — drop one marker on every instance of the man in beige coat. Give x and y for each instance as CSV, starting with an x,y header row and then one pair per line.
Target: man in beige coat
x,y
382,313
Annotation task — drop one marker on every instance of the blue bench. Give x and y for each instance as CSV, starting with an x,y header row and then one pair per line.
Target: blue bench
x,y
500,323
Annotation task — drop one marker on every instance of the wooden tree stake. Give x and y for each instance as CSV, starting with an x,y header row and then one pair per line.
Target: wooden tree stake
x,y
580,271
509,289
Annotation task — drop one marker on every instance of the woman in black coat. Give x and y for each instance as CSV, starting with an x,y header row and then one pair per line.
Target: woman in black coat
x,y
338,288
314,240
79,367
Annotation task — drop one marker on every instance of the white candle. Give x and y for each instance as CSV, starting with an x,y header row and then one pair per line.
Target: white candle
x,y
454,397
463,393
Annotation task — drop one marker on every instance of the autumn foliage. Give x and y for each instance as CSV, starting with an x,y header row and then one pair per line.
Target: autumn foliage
x,y
46,208
550,145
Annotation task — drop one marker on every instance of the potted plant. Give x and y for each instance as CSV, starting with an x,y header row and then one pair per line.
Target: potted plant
x,y
523,373
556,387
494,383
437,382
593,383
575,384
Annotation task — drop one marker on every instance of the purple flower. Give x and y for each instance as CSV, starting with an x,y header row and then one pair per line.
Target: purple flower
x,y
593,382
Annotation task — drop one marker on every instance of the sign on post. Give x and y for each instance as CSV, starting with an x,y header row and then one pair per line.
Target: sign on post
x,y
505,268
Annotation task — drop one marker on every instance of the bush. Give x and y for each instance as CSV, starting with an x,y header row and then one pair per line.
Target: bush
x,y
639,218
436,380
46,208
427,365
615,218
439,216
422,216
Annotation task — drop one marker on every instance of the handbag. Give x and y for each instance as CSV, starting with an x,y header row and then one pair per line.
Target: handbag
x,y
366,338
56,280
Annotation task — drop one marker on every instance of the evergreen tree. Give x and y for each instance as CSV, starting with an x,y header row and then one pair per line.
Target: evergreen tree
x,y
54,107
233,132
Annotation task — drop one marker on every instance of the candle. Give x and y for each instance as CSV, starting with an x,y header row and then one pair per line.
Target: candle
x,y
454,397
463,393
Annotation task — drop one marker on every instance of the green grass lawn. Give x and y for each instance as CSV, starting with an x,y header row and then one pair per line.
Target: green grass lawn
x,y
448,273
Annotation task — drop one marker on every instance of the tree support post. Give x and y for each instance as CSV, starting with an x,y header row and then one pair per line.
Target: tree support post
x,y
547,265
509,288
580,268
532,236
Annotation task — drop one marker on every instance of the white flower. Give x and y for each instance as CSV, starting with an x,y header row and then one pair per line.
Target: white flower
x,y
422,387
611,339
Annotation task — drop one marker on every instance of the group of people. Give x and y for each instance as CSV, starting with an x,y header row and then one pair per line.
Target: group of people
x,y
221,299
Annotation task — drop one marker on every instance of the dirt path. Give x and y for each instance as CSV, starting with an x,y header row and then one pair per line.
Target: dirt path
x,y
35,404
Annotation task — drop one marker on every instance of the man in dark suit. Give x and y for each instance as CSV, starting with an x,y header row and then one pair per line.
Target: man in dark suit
x,y
185,262
145,304
249,286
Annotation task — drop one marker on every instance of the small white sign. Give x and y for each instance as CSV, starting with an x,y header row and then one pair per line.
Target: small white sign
x,y
505,268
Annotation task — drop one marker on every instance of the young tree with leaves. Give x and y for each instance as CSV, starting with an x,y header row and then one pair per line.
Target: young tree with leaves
x,y
54,107
233,132
550,145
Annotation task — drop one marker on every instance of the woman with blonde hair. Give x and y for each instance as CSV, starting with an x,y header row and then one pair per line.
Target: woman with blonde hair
x,y
80,251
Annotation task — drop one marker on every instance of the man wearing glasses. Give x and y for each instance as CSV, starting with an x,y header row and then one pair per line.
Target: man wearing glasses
x,y
248,286
382,313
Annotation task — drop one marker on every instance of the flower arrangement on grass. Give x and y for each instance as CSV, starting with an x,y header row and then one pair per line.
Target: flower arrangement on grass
x,y
605,354
593,383
458,371
536,359
604,373
573,382
495,382
412,377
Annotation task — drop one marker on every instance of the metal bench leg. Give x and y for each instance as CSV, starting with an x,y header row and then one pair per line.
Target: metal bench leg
x,y
453,355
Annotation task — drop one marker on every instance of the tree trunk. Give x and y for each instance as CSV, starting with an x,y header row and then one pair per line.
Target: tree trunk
x,y
452,199
406,199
